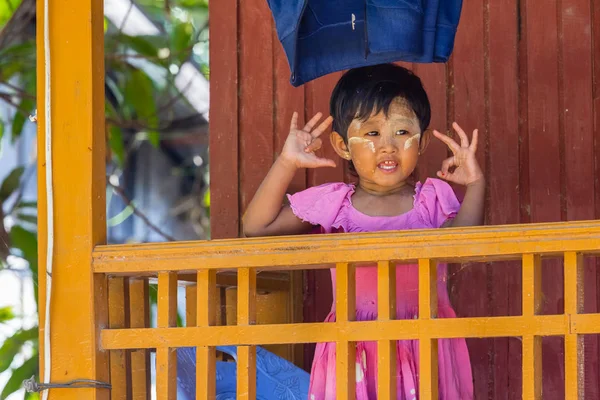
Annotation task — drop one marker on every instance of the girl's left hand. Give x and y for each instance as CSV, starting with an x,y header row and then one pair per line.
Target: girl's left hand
x,y
462,167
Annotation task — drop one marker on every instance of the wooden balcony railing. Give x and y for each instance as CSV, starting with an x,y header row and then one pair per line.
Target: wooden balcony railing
x,y
528,243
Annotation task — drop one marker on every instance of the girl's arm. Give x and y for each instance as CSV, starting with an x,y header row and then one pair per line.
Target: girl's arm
x,y
471,210
462,168
265,215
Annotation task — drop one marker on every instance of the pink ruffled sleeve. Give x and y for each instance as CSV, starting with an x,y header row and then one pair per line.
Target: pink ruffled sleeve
x,y
320,205
436,202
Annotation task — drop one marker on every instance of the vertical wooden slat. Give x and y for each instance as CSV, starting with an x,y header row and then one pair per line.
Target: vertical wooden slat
x,y
532,284
79,303
224,89
428,369
255,97
120,368
166,358
246,315
502,116
532,367
386,349
579,157
427,289
532,345
139,317
428,354
191,311
546,184
467,106
574,346
345,301
206,316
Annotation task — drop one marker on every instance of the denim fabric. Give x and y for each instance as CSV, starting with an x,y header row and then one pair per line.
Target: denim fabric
x,y
324,36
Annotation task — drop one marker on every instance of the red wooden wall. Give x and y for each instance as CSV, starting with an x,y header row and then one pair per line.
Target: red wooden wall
x,y
525,72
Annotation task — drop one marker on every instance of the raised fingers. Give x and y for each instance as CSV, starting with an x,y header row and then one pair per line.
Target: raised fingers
x,y
313,121
474,140
322,127
464,139
294,123
447,140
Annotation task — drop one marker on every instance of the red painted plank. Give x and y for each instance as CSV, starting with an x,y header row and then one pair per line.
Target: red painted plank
x,y
596,128
578,143
469,283
224,125
503,144
545,163
287,100
256,96
433,77
318,93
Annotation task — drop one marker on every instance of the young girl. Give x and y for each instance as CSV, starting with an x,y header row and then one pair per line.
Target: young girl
x,y
380,117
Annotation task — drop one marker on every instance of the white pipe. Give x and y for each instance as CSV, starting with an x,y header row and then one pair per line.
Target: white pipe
x,y
49,199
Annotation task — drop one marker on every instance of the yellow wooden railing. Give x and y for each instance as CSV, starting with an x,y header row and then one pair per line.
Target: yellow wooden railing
x,y
529,243
98,294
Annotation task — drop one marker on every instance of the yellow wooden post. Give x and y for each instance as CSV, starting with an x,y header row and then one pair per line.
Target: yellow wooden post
x,y
574,352
345,301
166,357
79,299
206,298
246,315
118,310
139,317
386,349
428,347
532,344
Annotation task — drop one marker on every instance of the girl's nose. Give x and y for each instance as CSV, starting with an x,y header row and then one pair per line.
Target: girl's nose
x,y
389,144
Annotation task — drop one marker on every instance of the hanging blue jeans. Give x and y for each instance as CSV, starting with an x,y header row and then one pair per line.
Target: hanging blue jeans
x,y
324,36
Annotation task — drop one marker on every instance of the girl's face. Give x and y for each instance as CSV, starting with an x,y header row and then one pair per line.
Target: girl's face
x,y
384,150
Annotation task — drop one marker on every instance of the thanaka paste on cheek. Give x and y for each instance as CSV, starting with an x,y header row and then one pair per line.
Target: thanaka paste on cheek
x,y
411,140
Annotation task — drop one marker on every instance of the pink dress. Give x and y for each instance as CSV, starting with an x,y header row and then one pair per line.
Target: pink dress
x,y
330,207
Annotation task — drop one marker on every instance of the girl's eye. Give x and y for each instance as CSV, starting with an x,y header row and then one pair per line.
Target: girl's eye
x,y
373,133
401,132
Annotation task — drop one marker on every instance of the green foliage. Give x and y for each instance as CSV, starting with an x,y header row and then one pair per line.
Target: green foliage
x,y
11,183
137,96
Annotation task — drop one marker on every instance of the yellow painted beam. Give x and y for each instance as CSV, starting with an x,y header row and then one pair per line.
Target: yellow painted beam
x,y
541,325
139,317
166,357
485,244
206,355
386,349
79,299
574,344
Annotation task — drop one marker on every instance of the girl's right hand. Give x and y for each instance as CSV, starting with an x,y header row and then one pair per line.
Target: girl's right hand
x,y
301,144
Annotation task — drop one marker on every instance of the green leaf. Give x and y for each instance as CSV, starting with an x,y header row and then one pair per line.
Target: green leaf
x,y
139,93
139,44
181,40
25,371
11,183
154,139
120,217
6,314
18,122
13,345
31,396
27,204
115,142
27,218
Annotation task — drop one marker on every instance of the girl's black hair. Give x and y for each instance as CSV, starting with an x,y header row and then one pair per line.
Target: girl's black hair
x,y
363,91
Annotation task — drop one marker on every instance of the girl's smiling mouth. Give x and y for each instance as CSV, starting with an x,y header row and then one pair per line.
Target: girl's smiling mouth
x,y
388,166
